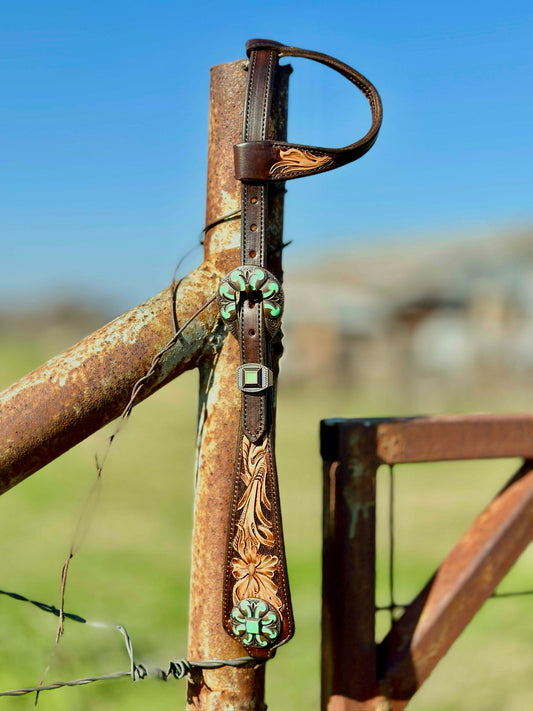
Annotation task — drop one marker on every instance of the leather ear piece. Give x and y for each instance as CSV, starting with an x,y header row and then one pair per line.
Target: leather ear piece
x,y
277,160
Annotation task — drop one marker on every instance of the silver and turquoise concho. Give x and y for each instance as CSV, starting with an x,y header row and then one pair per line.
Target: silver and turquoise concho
x,y
248,280
255,622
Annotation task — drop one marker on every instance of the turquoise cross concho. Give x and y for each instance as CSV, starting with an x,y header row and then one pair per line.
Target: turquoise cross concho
x,y
257,284
255,622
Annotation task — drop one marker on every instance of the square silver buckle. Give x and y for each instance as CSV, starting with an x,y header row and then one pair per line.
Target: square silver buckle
x,y
254,377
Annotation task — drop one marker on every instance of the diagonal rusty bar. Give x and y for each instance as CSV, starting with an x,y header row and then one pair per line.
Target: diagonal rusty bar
x,y
79,391
465,579
74,394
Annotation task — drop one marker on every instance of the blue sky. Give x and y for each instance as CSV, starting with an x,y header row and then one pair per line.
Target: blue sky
x,y
104,130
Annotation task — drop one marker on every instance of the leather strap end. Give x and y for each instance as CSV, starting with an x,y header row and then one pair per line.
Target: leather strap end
x,y
259,161
257,601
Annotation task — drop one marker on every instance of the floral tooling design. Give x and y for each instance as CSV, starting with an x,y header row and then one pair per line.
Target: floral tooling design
x,y
253,574
253,527
253,570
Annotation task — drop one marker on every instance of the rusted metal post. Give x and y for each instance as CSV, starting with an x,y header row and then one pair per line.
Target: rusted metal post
x,y
349,653
225,688
465,579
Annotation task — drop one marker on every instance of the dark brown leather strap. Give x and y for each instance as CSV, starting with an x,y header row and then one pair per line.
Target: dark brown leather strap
x,y
260,160
261,71
254,207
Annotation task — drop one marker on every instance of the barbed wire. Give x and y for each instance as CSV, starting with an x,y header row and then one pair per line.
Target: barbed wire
x,y
100,463
83,519
43,606
177,669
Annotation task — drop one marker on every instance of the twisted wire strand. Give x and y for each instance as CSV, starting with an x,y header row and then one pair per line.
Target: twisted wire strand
x,y
177,669
90,501
137,387
394,606
141,382
512,593
495,596
60,684
44,606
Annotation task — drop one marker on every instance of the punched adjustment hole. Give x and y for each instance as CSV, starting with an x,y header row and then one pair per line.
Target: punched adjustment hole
x,y
253,227
251,332
253,253
254,201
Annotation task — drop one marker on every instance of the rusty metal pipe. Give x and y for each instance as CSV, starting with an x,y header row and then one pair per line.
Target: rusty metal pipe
x,y
448,437
352,450
220,401
74,394
438,438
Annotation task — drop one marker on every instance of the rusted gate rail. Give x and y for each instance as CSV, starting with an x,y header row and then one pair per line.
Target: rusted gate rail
x,y
357,673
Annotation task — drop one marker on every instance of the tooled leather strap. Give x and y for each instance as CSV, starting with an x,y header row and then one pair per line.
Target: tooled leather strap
x,y
257,606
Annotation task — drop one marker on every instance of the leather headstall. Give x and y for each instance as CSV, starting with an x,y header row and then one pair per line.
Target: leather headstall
x,y
257,607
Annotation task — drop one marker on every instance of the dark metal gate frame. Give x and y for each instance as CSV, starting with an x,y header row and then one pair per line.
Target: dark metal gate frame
x,y
357,673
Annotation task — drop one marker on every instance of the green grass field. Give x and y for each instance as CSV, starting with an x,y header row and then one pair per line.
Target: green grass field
x,y
133,565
